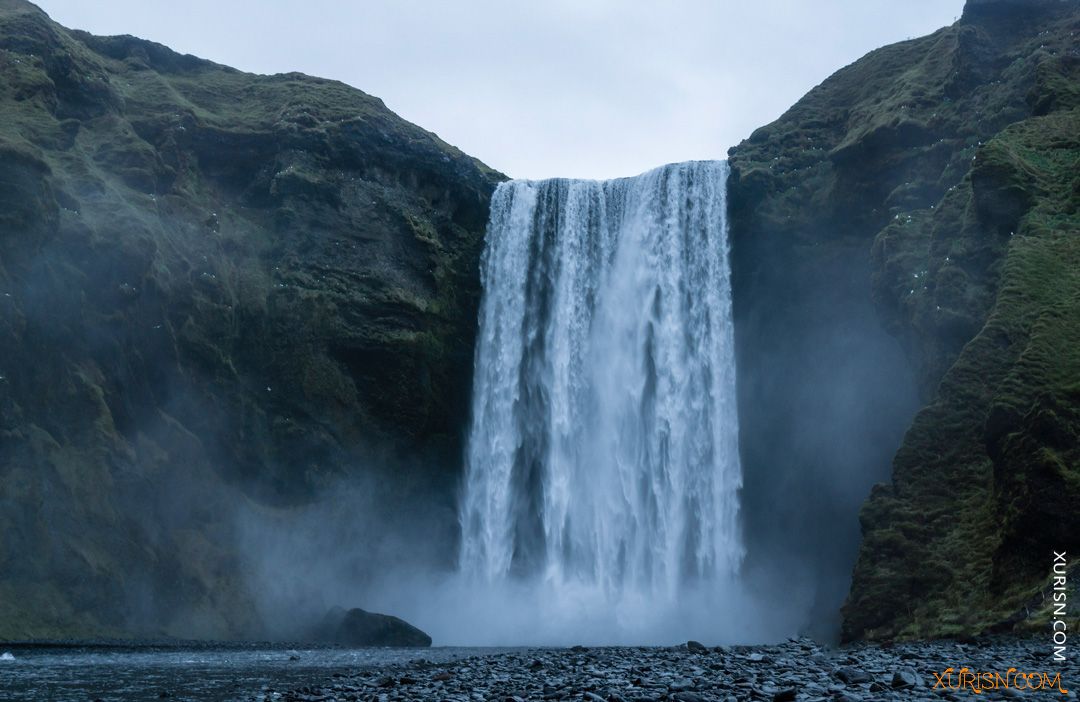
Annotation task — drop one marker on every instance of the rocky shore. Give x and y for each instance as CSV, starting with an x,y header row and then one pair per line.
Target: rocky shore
x,y
799,669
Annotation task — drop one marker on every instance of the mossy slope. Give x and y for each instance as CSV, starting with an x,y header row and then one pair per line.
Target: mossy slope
x,y
214,286
986,484
948,165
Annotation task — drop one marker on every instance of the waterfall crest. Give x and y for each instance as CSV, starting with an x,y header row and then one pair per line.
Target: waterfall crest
x,y
603,446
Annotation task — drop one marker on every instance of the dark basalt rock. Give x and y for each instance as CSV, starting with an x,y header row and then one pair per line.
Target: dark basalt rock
x,y
646,673
853,676
905,678
359,628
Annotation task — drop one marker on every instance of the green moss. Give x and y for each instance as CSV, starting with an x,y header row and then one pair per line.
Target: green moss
x,y
951,159
988,471
218,286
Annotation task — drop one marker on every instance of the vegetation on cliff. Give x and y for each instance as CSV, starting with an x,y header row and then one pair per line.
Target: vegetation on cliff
x,y
218,288
212,284
953,161
988,479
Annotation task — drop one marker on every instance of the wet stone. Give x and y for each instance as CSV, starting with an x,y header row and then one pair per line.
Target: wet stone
x,y
853,676
795,671
905,678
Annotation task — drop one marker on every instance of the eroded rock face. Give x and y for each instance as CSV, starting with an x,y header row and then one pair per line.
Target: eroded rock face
x,y
897,198
214,287
219,288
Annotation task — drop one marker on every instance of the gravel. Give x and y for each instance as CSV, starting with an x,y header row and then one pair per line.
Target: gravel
x,y
798,669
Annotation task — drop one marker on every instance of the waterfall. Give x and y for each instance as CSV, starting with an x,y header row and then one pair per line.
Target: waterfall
x,y
603,446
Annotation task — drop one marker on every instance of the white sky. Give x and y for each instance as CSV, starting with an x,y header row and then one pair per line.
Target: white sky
x,y
542,88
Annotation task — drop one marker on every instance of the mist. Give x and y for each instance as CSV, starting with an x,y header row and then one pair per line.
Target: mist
x,y
358,546
824,395
236,437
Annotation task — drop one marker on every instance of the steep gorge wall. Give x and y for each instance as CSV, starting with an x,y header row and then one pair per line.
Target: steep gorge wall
x,y
896,197
219,288
215,288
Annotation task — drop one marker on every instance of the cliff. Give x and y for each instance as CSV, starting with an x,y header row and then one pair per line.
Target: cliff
x,y
214,287
226,292
942,174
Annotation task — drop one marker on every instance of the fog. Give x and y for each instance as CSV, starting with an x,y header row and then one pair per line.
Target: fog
x,y
824,393
346,550
599,499
824,396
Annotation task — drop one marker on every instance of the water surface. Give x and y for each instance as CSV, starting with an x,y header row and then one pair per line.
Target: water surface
x,y
215,672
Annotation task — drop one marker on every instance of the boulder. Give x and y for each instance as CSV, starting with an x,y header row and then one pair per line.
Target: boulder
x,y
358,627
905,678
853,676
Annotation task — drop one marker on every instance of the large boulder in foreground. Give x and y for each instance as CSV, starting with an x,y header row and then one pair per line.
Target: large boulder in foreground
x,y
358,627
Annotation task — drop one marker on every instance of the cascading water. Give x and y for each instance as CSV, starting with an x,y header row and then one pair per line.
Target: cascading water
x,y
603,451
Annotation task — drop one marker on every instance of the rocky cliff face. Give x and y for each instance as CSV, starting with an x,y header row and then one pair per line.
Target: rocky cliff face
x,y
930,190
214,286
220,289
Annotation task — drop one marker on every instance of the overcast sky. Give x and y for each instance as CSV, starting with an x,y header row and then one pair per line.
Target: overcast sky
x,y
541,88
